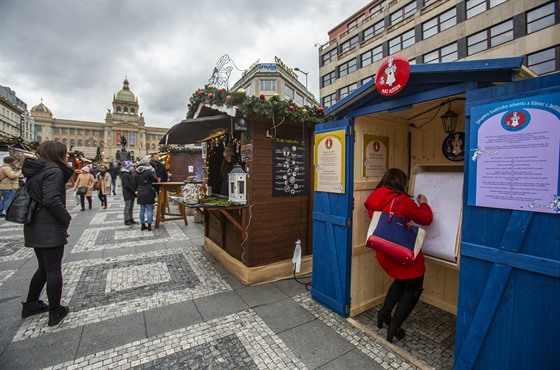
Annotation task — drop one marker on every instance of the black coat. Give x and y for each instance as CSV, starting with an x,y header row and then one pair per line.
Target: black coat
x,y
46,182
144,178
128,185
161,171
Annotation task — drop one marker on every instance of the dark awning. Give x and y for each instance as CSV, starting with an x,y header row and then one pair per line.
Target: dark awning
x,y
195,130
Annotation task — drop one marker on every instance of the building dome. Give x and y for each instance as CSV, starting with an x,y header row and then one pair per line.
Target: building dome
x,y
41,108
125,94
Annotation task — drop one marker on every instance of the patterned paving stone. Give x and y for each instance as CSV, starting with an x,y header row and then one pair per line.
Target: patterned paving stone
x,y
5,275
119,236
12,248
94,293
360,340
238,341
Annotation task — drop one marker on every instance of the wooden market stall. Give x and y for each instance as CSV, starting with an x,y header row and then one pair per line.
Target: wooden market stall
x,y
481,259
255,240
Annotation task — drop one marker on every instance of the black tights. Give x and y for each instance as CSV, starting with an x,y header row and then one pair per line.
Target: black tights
x,y
82,201
103,199
404,294
49,272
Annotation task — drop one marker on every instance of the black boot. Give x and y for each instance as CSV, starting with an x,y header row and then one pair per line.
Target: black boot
x,y
57,315
33,308
149,227
402,311
143,227
391,299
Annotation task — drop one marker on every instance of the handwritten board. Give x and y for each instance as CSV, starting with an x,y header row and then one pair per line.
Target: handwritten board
x,y
444,192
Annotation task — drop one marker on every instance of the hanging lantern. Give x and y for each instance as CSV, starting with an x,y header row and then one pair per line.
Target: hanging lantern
x,y
449,121
237,182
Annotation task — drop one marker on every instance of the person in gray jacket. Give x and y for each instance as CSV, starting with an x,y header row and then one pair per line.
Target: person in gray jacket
x,y
129,193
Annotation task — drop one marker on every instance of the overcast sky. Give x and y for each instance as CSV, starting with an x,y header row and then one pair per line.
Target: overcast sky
x,y
76,54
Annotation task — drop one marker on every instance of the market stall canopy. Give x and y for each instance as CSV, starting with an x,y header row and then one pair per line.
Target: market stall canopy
x,y
190,131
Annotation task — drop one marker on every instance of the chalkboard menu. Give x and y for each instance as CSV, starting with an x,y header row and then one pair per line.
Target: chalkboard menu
x,y
289,167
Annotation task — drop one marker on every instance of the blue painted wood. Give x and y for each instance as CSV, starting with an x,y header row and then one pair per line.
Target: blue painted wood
x,y
332,244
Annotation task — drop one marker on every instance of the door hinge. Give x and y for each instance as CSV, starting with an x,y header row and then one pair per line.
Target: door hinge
x,y
350,222
347,308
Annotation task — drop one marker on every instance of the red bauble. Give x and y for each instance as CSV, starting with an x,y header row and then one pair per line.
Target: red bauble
x,y
291,107
320,110
210,95
223,89
262,96
201,92
228,97
189,105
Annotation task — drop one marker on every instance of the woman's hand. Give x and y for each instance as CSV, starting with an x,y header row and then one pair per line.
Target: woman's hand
x,y
421,198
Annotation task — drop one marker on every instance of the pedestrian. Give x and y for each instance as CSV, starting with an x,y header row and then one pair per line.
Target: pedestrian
x,y
161,171
406,289
114,172
85,179
94,169
145,176
47,232
103,182
129,193
9,183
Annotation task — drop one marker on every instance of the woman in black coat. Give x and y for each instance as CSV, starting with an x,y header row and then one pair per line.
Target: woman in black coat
x,y
47,232
129,193
144,177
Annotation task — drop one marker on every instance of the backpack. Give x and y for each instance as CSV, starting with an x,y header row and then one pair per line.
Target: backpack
x,y
23,207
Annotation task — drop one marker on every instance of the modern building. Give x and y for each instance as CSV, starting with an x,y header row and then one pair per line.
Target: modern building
x,y
124,128
430,31
275,78
14,118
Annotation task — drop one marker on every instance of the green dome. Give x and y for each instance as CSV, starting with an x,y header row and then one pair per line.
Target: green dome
x,y
125,94
41,108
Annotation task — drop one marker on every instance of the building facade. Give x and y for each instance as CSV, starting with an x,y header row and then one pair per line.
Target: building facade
x,y
431,31
14,118
123,135
275,78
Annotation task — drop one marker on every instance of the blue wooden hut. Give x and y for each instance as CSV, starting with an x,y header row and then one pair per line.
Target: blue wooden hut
x,y
501,275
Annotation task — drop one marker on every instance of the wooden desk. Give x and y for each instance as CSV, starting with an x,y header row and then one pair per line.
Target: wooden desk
x,y
163,202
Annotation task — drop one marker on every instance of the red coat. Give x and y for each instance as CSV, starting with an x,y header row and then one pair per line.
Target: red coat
x,y
406,208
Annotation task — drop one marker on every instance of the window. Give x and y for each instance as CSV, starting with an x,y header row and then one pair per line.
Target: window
x,y
356,21
118,109
289,92
328,79
490,37
371,56
72,131
371,31
347,68
125,110
87,132
346,90
329,100
79,131
439,23
349,44
268,85
72,141
56,130
299,99
80,142
445,54
475,7
64,131
132,111
543,61
249,90
328,57
540,18
366,80
404,12
402,41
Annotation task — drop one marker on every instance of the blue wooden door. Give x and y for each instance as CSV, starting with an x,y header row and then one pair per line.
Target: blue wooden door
x,y
509,285
332,231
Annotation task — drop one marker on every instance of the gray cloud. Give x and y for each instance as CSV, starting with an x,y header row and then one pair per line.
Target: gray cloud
x,y
75,54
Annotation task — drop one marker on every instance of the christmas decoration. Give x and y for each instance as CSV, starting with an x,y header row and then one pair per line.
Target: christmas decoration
x,y
291,107
262,96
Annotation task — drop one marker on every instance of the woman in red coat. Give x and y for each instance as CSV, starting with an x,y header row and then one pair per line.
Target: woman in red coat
x,y
405,291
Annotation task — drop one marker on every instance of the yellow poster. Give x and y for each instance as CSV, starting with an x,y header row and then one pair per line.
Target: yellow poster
x,y
329,162
375,154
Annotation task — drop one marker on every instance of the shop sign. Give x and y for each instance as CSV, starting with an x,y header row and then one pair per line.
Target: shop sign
x,y
376,158
453,147
289,161
329,162
392,75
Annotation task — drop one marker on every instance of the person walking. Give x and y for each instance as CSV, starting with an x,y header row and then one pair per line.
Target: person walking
x,y
9,183
85,179
406,289
47,232
145,175
129,193
103,181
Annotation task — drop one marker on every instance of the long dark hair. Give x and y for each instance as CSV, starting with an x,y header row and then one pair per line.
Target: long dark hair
x,y
54,151
394,179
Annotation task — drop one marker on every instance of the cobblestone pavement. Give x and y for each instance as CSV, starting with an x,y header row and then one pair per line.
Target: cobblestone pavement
x,y
157,300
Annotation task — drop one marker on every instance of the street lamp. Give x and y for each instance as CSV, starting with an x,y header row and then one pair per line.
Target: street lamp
x,y
305,73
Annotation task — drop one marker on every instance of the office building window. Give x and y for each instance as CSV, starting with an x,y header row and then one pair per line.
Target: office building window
x,y
541,17
490,37
356,22
371,56
543,61
445,54
439,23
328,79
366,80
289,92
328,57
347,68
376,29
329,100
299,99
401,42
249,90
428,2
404,12
349,44
475,7
268,85
346,90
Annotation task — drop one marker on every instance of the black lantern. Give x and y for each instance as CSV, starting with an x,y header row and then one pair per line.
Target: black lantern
x,y
449,121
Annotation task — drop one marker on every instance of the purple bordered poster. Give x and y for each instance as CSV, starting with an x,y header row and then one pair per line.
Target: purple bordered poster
x,y
514,154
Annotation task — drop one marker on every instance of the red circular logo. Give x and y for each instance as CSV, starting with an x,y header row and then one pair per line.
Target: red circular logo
x,y
392,75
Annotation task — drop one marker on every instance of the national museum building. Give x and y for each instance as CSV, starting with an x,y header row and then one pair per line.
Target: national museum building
x,y
124,134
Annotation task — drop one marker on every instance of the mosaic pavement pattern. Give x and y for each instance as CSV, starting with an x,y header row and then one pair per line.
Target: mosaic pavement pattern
x,y
102,289
430,334
238,341
5,275
11,244
360,340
